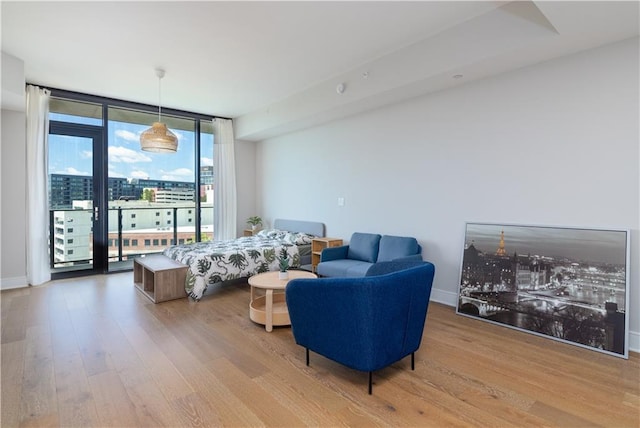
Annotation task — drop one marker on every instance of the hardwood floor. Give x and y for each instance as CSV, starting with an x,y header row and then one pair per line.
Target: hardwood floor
x,y
96,352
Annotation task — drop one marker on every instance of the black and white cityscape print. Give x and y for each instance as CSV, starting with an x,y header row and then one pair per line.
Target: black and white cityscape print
x,y
566,283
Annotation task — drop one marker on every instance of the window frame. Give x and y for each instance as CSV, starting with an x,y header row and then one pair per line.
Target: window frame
x,y
199,122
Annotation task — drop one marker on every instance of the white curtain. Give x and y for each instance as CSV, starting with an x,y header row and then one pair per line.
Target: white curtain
x,y
224,176
36,174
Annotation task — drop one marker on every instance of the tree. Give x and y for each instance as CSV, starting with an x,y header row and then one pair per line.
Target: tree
x,y
147,195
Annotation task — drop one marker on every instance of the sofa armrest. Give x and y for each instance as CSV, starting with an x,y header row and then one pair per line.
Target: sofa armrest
x,y
334,253
383,268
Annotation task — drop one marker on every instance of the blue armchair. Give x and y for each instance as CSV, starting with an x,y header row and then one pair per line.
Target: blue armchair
x,y
364,323
363,251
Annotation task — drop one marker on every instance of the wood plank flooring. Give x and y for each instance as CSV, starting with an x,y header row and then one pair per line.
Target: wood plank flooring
x,y
95,352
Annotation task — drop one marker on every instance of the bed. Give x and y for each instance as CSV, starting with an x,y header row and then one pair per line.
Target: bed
x,y
217,261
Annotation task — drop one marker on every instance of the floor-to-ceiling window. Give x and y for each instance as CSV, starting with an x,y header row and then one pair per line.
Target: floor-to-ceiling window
x,y
110,201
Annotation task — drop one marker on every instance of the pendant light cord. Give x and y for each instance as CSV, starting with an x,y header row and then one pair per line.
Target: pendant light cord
x,y
159,99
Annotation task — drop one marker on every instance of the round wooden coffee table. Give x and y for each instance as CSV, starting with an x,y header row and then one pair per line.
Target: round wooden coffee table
x,y
271,308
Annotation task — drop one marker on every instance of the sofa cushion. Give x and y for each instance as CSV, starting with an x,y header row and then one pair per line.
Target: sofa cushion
x,y
343,268
358,269
393,247
364,247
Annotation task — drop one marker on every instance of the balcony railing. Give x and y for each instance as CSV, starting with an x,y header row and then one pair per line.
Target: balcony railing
x,y
132,232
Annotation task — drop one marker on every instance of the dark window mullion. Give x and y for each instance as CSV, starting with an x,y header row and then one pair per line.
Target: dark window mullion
x,y
197,182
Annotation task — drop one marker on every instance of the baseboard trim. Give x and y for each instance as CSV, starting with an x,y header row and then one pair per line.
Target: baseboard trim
x,y
450,299
634,341
10,283
445,297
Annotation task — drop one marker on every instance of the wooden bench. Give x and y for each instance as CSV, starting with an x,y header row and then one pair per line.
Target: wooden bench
x,y
159,278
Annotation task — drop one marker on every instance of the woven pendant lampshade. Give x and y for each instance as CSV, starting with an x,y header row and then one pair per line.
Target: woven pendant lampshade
x,y
159,138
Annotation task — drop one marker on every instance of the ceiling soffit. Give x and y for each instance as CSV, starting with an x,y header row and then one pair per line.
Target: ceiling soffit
x,y
514,35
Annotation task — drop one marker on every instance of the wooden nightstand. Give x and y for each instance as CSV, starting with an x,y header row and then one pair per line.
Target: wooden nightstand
x,y
319,244
250,232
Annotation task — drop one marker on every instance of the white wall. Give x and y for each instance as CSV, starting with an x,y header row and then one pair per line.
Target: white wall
x,y
13,264
245,152
551,144
13,87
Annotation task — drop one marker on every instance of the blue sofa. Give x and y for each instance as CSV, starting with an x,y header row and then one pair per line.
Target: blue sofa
x,y
364,323
363,251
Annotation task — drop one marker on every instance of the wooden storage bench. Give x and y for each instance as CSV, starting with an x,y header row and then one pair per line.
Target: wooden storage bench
x,y
159,277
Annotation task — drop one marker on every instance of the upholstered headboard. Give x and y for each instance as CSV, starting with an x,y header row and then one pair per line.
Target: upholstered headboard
x,y
310,227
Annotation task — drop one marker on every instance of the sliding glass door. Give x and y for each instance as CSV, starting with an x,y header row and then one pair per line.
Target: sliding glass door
x,y
76,198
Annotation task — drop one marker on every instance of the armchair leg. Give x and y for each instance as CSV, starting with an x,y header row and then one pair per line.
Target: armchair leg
x,y
307,349
413,361
370,383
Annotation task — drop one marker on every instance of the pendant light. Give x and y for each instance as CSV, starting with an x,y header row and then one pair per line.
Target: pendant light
x,y
159,138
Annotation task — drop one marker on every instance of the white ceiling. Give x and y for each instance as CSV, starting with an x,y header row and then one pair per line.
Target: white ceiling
x,y
274,66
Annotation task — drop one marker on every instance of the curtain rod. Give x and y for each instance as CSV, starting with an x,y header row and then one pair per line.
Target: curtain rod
x,y
81,96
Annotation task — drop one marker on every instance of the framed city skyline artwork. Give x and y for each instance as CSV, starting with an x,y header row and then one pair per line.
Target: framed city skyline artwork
x,y
565,283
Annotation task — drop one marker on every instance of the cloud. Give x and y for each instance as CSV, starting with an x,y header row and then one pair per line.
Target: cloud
x,y
122,154
86,154
179,174
139,174
72,171
206,161
185,172
127,135
114,174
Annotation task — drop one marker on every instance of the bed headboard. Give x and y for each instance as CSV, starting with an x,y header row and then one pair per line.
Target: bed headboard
x,y
310,227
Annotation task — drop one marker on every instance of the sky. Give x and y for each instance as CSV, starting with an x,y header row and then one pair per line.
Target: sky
x,y
593,245
73,155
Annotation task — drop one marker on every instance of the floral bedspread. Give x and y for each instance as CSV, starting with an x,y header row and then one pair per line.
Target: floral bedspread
x,y
217,261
